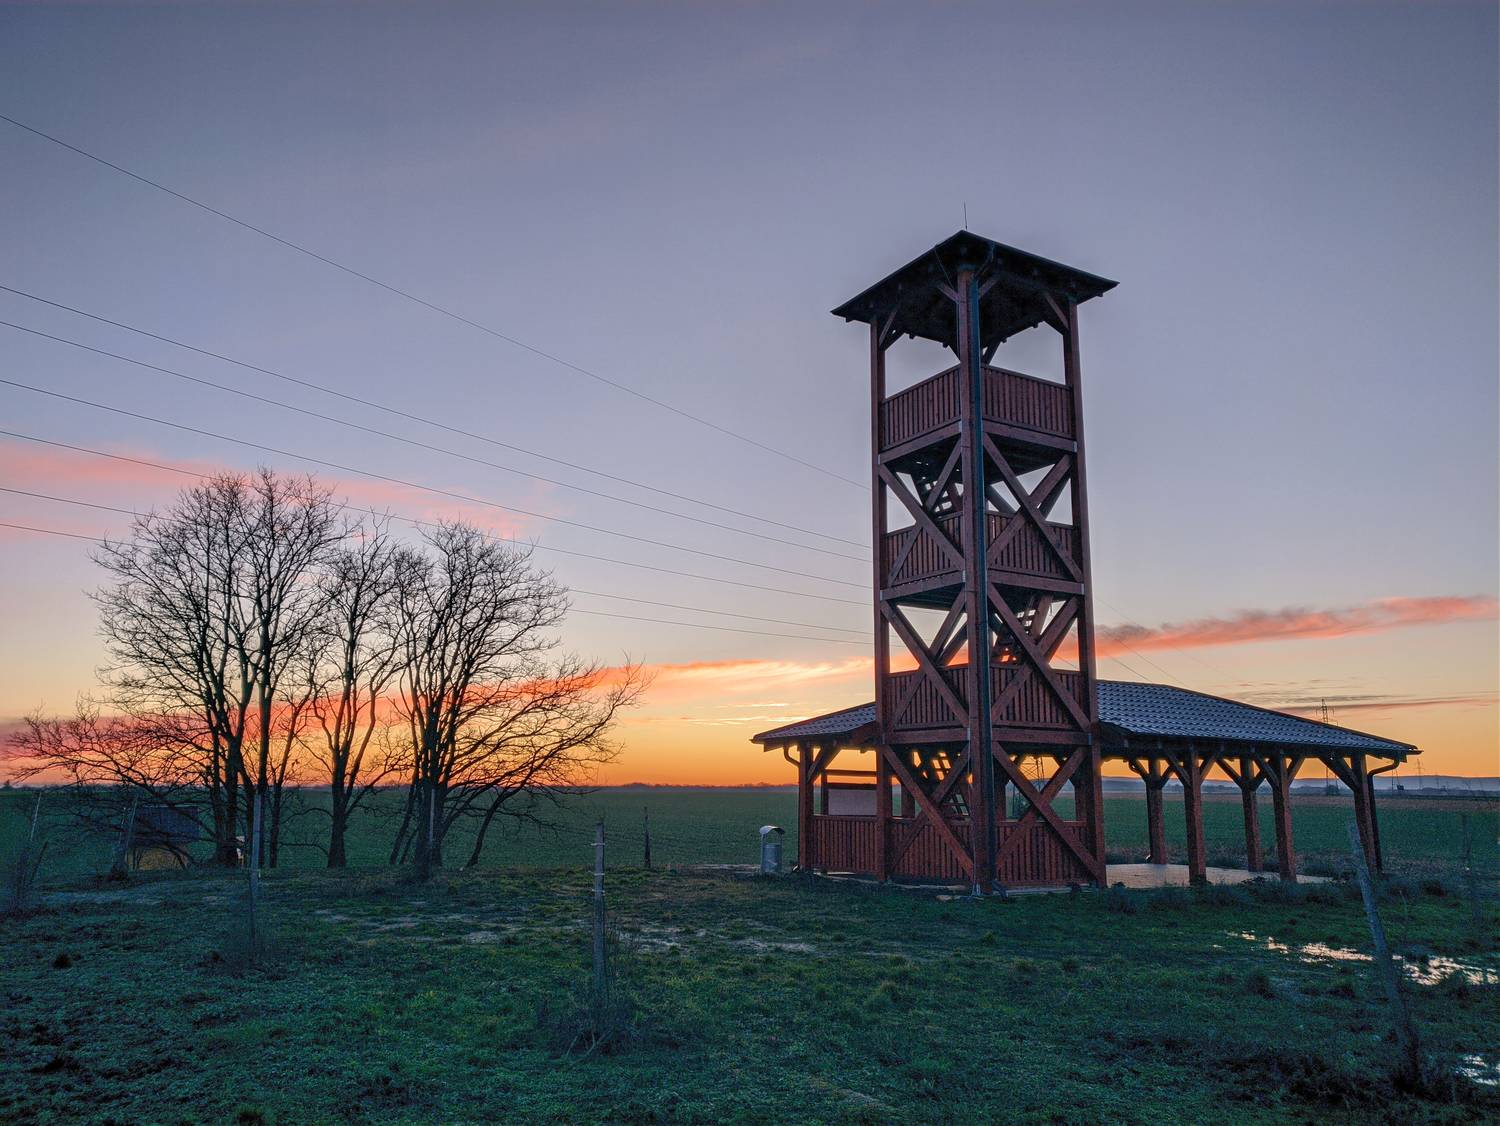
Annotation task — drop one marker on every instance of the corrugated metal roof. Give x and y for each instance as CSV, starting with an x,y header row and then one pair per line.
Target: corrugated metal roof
x,y
1151,710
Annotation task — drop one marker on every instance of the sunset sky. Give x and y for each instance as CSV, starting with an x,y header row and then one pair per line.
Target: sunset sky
x,y
1291,396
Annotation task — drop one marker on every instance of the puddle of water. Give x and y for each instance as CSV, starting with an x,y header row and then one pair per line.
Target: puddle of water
x,y
1477,1069
1422,971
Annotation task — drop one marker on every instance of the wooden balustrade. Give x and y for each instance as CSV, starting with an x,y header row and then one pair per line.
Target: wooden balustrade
x,y
845,843
849,844
928,708
1010,397
1032,704
1024,551
1041,857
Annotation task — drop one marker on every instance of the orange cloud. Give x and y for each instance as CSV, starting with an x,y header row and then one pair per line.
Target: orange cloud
x,y
1299,623
152,478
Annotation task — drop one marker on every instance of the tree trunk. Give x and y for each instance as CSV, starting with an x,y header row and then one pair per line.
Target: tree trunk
x,y
484,827
338,821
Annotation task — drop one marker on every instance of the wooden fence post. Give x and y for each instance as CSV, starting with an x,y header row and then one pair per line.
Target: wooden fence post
x,y
1385,967
600,980
646,832
121,867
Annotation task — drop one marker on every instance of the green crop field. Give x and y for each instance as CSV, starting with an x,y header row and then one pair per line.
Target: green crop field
x,y
721,826
380,999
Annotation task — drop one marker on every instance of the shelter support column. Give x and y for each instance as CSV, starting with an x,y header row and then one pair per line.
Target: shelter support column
x,y
882,816
1374,818
1280,769
1364,812
804,808
1191,773
1156,826
1249,781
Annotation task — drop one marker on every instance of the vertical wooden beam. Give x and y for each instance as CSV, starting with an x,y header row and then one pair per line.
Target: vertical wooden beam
x,y
878,520
982,840
1156,827
1374,818
1073,376
1254,860
882,816
1192,806
1280,771
1359,784
805,857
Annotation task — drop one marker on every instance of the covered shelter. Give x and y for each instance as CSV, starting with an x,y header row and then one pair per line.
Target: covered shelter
x,y
1162,733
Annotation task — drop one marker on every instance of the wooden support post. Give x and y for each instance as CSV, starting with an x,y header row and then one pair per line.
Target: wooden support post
x,y
601,978
982,835
1192,806
805,856
1249,783
1279,772
882,817
1385,966
1156,827
1359,785
1073,376
1374,819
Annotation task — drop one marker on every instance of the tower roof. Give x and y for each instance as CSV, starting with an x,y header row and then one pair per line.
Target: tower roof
x,y
1016,302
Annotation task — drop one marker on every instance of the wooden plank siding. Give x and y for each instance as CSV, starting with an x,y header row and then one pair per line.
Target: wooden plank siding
x,y
850,844
1011,397
1025,552
1032,705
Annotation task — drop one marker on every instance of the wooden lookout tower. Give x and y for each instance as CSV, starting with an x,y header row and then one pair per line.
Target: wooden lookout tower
x,y
985,680
984,649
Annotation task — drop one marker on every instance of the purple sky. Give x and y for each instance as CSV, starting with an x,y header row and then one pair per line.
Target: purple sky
x,y
1292,395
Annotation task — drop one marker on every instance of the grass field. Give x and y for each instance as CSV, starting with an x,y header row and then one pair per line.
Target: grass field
x,y
382,1000
719,826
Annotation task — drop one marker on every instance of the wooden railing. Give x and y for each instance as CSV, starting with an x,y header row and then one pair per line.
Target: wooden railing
x,y
844,843
1041,857
1033,704
928,707
849,844
1025,552
1024,400
1010,397
920,409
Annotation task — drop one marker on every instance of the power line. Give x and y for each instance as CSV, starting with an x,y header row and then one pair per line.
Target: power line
x,y
49,531
571,589
414,485
429,524
433,306
594,613
374,404
1130,621
423,524
232,390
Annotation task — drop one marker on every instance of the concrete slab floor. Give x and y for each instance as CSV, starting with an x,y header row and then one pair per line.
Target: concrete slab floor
x,y
1176,875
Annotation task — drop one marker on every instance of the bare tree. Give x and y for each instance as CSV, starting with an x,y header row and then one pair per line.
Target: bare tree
x,y
110,763
211,603
177,629
490,717
349,669
291,529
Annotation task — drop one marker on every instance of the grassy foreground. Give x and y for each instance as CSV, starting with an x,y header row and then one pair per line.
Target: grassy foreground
x,y
757,1000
